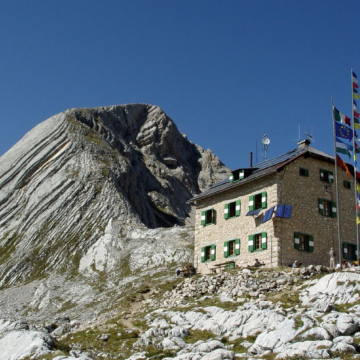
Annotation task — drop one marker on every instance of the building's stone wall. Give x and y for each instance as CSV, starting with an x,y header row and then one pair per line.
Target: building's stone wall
x,y
237,227
285,187
303,193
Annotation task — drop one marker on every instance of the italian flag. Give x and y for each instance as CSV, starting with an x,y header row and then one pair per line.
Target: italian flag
x,y
338,116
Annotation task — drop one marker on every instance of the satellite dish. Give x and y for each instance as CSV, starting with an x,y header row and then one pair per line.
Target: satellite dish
x,y
265,141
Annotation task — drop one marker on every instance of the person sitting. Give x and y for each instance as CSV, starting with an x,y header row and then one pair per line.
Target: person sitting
x,y
257,263
345,264
296,264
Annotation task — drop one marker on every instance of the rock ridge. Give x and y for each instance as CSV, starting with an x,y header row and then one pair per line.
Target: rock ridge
x,y
63,182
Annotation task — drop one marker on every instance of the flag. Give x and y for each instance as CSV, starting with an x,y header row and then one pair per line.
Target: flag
x,y
356,96
343,132
356,114
355,91
357,148
357,175
354,75
343,166
343,148
355,85
338,116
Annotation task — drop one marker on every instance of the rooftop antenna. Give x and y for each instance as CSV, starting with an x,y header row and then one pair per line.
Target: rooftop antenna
x,y
309,137
299,138
256,152
266,142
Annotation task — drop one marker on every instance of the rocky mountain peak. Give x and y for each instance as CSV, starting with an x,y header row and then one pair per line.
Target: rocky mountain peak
x,y
71,175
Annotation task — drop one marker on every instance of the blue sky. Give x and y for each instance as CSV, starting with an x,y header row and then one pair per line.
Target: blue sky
x,y
225,71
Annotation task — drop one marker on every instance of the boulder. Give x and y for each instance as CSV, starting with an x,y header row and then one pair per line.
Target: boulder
x,y
19,344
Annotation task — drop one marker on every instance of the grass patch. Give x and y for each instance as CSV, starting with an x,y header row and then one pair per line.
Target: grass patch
x,y
196,335
121,339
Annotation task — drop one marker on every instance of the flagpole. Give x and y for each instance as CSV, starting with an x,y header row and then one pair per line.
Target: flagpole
x,y
336,182
355,163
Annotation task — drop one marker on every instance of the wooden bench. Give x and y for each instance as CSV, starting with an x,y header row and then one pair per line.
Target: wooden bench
x,y
224,266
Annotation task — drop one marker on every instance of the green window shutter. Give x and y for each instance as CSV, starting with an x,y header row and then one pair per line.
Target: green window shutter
x,y
297,241
226,249
213,254
251,203
202,254
345,251
321,206
322,174
231,177
306,172
237,246
241,174
310,239
237,208
347,184
331,176
263,200
333,209
251,243
203,218
264,240
226,211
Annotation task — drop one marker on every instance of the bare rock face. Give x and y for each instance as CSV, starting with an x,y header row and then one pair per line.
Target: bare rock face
x,y
68,177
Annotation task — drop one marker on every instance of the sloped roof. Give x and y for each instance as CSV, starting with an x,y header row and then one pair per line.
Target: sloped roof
x,y
265,168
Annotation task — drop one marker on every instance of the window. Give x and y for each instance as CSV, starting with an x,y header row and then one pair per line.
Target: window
x,y
347,184
232,209
349,251
327,207
257,242
303,242
258,201
326,176
232,247
208,217
303,172
236,175
208,253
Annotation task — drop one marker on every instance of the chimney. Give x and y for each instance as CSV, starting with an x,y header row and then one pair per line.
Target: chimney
x,y
303,144
251,159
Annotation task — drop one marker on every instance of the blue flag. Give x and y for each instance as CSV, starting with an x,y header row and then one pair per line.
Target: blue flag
x,y
343,131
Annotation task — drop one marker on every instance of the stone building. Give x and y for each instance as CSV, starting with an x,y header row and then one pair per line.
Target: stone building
x,y
279,211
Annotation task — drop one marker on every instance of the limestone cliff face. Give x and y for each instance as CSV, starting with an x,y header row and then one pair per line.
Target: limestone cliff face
x,y
68,177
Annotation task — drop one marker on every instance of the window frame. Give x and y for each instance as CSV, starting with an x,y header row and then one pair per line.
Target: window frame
x,y
251,242
345,245
333,212
303,172
326,176
236,175
236,248
347,184
205,249
263,195
205,215
237,209
308,238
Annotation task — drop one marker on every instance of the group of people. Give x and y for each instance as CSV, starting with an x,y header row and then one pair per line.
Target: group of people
x,y
344,264
187,270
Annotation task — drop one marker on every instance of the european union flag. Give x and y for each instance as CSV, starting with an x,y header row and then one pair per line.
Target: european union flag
x,y
343,132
